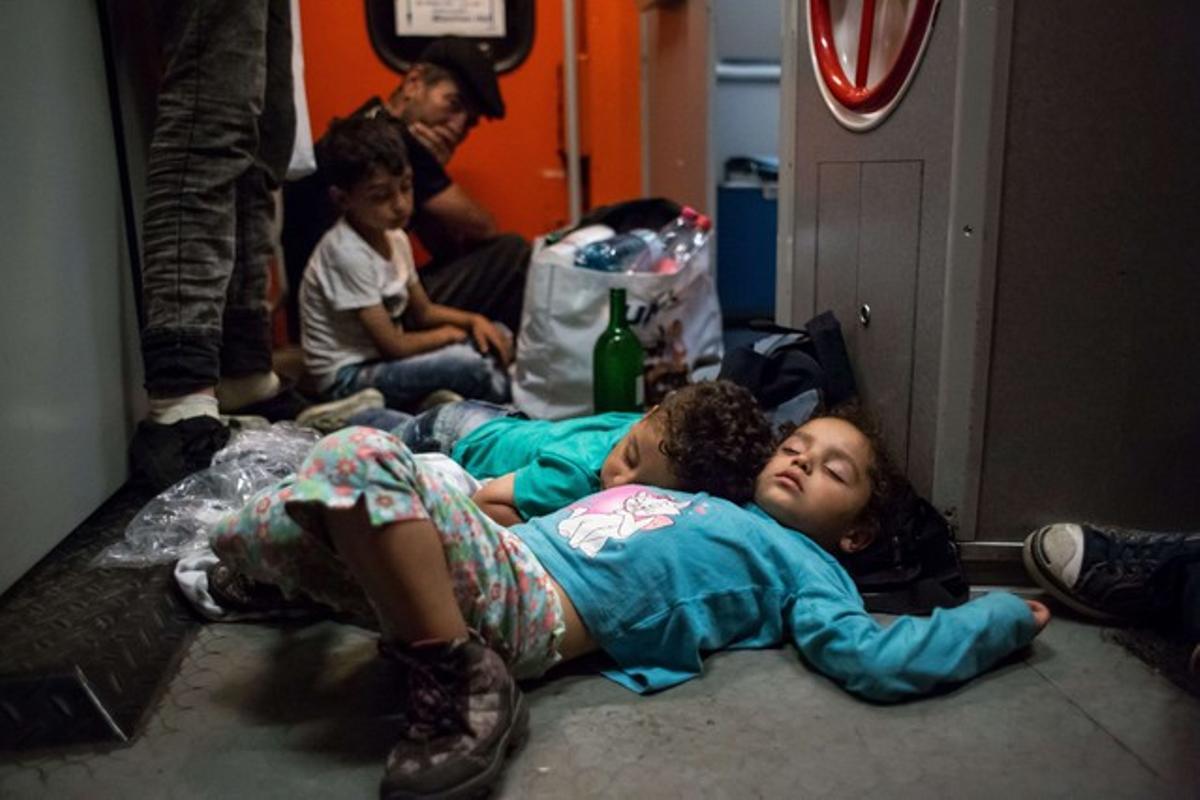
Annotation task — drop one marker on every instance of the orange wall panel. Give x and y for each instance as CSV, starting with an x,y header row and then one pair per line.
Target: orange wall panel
x,y
612,100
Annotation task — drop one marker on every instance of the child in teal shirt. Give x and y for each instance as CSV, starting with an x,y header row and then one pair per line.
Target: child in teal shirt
x,y
705,437
653,577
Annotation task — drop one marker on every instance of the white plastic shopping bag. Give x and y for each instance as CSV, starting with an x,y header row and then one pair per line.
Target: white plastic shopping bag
x,y
676,317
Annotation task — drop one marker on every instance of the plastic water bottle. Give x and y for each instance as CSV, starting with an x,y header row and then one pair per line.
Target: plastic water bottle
x,y
618,362
703,230
687,238
635,251
678,230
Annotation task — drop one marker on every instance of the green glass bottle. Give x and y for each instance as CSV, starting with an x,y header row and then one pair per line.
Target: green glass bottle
x,y
617,362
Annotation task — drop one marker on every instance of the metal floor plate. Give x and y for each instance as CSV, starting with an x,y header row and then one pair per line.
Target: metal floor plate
x,y
87,651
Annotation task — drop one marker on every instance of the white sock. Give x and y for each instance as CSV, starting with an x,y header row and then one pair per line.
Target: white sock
x,y
169,410
235,393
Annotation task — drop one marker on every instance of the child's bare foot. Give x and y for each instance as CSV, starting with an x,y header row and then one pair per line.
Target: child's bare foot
x,y
1041,614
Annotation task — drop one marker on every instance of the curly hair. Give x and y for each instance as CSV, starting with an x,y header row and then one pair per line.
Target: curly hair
x,y
352,148
888,484
716,438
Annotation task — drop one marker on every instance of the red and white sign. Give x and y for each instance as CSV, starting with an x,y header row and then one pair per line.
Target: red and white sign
x,y
878,42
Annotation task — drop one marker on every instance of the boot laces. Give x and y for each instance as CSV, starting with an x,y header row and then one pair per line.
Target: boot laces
x,y
432,706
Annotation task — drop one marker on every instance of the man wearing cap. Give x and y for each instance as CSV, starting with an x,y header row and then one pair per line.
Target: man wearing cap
x,y
440,101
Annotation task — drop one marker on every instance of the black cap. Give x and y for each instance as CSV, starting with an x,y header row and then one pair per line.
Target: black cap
x,y
472,68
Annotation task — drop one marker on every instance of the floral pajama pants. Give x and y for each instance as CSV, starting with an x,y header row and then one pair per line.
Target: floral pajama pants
x,y
279,537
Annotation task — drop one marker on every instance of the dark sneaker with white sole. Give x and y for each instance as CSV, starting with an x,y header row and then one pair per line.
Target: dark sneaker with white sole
x,y
1108,574
162,455
463,715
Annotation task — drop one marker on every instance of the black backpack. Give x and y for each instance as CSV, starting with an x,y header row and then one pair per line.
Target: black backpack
x,y
913,566
642,212
793,370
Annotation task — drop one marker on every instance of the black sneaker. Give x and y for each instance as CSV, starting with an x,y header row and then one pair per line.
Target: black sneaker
x,y
286,404
1108,574
464,714
162,455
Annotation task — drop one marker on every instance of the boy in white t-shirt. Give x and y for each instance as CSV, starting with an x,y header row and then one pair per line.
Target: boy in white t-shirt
x,y
366,320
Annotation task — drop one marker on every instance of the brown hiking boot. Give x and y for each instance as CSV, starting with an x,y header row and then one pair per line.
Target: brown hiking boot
x,y
463,715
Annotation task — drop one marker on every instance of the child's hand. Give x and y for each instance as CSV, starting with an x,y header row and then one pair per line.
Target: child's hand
x,y
450,334
489,339
1041,614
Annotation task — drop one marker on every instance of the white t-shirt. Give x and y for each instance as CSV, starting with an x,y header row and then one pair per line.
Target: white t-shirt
x,y
346,274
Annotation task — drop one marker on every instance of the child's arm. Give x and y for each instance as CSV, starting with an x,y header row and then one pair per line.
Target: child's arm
x,y
424,313
496,500
912,655
391,342
550,482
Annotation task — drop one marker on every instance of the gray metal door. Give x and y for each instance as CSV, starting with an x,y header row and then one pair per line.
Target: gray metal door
x,y
863,229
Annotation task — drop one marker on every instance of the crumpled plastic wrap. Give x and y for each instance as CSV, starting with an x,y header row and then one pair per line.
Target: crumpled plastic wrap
x,y
178,521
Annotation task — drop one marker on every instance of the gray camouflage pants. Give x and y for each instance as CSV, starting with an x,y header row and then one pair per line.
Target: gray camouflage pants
x,y
222,141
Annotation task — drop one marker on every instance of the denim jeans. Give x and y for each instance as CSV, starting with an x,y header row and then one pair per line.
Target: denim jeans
x,y
1175,588
222,141
1189,604
404,382
436,430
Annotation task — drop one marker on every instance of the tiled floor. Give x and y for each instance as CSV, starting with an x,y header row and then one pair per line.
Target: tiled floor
x,y
293,713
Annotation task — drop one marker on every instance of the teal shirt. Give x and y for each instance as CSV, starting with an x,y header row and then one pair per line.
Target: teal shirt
x,y
662,577
556,463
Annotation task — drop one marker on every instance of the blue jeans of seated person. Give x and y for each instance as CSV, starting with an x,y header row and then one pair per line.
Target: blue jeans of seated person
x,y
406,381
437,430
1175,591
1190,603
222,141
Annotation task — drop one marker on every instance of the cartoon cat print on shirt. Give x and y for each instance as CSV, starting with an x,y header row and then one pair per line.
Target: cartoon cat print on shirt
x,y
617,514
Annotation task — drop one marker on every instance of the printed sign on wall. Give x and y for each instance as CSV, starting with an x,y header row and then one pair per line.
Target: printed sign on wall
x,y
878,42
450,17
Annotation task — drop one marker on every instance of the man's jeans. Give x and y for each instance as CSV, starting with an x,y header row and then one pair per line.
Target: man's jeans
x,y
405,382
437,430
489,280
222,141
